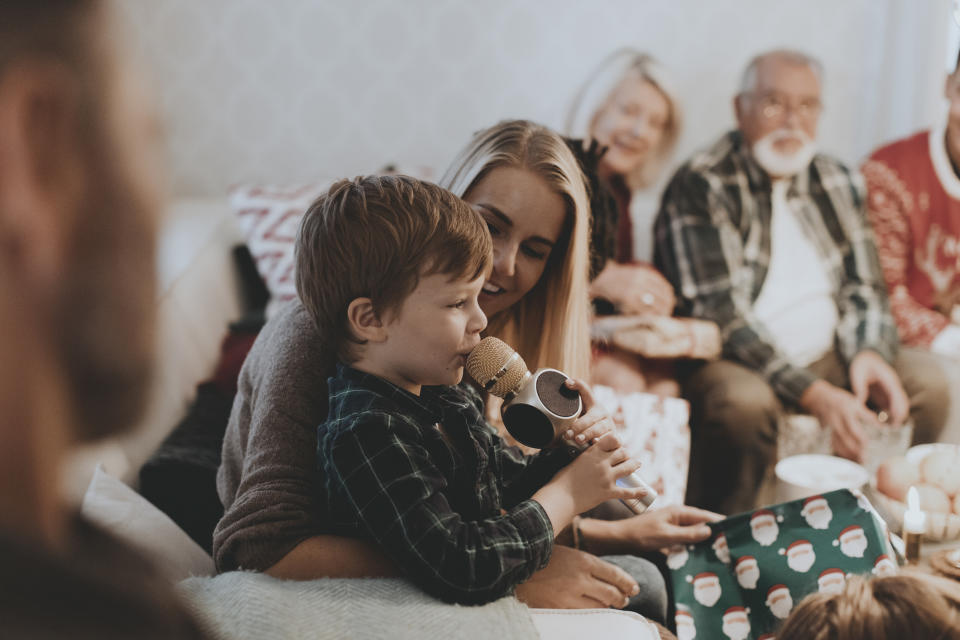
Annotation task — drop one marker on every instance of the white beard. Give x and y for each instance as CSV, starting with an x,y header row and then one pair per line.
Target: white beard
x,y
781,608
736,630
779,164
766,536
801,562
748,579
885,568
820,519
707,596
854,548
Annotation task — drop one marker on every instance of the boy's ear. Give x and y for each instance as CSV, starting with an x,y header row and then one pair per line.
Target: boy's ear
x,y
364,322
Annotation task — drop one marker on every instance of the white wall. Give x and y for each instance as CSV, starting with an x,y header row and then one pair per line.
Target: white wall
x,y
285,90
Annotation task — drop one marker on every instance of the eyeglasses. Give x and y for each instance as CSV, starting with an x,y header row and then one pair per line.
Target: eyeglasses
x,y
774,106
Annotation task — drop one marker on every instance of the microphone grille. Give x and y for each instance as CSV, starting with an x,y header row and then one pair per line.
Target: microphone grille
x,y
497,367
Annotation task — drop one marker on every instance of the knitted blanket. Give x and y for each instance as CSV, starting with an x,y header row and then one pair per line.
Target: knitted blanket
x,y
251,605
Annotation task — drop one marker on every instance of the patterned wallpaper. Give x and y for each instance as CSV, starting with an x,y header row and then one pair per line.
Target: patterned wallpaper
x,y
288,90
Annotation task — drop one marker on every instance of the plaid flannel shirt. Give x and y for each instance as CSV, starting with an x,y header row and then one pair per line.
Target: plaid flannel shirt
x,y
713,244
452,508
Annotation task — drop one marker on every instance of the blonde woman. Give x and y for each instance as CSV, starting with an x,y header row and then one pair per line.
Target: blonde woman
x,y
909,605
535,299
628,119
528,187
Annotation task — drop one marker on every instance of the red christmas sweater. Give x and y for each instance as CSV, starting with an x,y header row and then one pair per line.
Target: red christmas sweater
x,y
914,206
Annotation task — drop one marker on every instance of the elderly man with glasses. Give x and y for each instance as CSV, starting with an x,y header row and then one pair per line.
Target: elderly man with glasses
x,y
768,238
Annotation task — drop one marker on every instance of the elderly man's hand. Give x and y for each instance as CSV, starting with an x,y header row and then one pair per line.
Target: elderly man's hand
x,y
841,412
577,580
871,378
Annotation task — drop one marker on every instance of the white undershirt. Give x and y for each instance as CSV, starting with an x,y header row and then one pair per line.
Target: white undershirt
x,y
796,303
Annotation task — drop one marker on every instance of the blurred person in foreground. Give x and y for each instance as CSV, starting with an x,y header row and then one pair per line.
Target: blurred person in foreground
x,y
78,211
769,239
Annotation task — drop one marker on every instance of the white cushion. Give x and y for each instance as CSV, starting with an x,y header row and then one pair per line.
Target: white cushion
x,y
269,216
578,624
114,506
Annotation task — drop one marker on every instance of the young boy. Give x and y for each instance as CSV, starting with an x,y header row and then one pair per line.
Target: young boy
x,y
390,269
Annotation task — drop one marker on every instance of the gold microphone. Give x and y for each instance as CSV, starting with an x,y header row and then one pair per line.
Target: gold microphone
x,y
537,407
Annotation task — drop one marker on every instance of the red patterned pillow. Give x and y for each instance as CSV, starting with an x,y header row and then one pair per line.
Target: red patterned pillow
x,y
269,217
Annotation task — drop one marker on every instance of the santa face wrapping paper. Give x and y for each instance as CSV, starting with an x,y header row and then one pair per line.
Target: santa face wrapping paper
x,y
744,581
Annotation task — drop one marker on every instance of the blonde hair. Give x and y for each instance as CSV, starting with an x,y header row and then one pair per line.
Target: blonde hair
x,y
908,605
595,95
550,325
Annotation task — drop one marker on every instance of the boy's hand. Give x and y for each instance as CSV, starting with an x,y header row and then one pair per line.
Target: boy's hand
x,y
588,481
592,424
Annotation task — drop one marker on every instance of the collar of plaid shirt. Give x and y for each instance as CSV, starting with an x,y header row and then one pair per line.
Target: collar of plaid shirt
x,y
432,405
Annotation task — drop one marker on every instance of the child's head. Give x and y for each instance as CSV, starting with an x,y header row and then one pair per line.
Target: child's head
x,y
908,605
393,265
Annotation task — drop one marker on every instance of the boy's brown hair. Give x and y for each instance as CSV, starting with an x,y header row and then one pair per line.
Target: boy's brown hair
x,y
374,237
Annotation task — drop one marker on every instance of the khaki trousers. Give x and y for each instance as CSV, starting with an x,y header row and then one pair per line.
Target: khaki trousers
x,y
734,417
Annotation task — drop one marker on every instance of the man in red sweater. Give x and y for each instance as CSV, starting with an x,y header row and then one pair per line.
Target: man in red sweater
x,y
914,206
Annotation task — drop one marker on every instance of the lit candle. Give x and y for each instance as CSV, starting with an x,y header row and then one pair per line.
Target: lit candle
x,y
914,525
914,520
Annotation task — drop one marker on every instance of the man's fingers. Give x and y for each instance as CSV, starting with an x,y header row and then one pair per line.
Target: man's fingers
x,y
846,444
899,406
855,427
861,389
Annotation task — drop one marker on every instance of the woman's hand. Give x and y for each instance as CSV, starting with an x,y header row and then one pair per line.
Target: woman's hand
x,y
593,423
577,580
649,531
635,289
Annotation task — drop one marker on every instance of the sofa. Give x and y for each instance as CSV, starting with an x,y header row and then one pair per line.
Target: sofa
x,y
199,295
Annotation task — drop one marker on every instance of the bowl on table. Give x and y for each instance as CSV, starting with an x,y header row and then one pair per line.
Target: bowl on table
x,y
809,474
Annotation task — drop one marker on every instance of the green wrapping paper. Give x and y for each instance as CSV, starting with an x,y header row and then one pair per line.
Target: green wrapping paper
x,y
745,579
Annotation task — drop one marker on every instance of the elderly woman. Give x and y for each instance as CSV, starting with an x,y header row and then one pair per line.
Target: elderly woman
x,y
628,119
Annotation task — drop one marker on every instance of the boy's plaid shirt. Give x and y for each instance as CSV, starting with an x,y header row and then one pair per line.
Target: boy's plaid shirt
x,y
712,241
452,509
